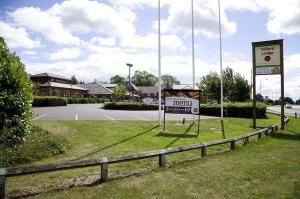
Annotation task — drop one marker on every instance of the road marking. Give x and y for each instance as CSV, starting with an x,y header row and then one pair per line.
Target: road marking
x,y
39,117
109,117
141,118
76,117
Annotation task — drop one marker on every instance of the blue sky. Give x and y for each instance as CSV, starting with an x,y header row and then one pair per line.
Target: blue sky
x,y
95,39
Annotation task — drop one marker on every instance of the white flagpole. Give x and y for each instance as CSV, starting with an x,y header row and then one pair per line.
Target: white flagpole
x,y
159,67
193,47
193,43
221,70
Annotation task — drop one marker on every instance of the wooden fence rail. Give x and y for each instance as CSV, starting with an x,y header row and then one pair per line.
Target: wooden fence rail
x,y
105,161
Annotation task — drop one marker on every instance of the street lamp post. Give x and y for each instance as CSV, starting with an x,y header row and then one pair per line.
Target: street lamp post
x,y
129,67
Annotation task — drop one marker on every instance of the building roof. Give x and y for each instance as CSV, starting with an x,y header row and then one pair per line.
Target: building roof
x,y
130,86
183,86
97,88
61,85
149,89
49,75
109,85
152,89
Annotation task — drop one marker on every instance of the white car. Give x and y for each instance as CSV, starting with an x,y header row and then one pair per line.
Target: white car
x,y
288,106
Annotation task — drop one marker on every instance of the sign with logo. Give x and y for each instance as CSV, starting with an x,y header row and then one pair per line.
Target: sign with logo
x,y
182,101
267,58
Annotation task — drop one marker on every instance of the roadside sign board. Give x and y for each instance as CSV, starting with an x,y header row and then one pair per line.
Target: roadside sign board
x,y
267,58
182,101
182,105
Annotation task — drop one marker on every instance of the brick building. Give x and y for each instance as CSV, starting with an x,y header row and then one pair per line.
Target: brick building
x,y
55,85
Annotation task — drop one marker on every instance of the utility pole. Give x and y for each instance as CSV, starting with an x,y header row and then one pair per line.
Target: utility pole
x,y
129,66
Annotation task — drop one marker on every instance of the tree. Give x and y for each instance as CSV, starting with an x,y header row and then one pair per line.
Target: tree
x,y
169,80
235,86
117,80
211,85
259,97
143,78
119,91
15,98
298,102
74,80
288,100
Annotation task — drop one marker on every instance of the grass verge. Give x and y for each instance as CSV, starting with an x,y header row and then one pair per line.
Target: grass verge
x,y
90,139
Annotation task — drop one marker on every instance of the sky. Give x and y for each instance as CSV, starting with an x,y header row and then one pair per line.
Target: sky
x,y
95,39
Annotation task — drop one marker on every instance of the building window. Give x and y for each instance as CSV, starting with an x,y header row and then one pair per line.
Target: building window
x,y
43,92
56,92
67,93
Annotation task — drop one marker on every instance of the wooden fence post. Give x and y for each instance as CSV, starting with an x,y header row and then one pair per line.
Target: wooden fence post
x,y
104,170
162,160
204,151
246,140
232,145
2,183
266,131
259,135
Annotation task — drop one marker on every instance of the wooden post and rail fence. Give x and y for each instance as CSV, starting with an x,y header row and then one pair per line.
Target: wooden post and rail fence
x,y
106,161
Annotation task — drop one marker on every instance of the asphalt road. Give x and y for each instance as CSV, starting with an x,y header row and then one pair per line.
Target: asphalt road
x,y
295,108
95,112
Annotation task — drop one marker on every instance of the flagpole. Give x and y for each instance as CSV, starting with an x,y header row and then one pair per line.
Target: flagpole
x,y
159,66
221,71
193,43
193,48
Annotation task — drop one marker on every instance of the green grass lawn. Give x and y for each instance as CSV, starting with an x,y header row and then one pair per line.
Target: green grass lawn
x,y
261,169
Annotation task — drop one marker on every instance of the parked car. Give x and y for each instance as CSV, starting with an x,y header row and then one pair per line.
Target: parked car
x,y
288,106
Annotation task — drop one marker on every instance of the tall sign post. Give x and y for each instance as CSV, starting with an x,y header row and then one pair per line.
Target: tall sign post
x,y
268,60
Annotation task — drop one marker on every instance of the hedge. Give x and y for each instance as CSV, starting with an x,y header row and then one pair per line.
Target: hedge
x,y
129,106
242,110
48,101
90,100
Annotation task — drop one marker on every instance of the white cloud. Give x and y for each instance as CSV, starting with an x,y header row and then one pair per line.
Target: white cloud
x,y
17,37
29,52
205,19
45,24
285,18
83,16
111,41
65,53
150,41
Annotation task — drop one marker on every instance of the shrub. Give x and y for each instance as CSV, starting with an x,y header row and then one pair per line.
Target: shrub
x,y
90,100
39,101
39,144
15,98
242,110
129,106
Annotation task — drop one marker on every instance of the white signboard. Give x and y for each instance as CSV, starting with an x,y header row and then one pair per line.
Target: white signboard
x,y
182,105
267,59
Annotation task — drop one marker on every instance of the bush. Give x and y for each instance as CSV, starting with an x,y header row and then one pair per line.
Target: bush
x,y
39,101
242,110
129,106
90,100
15,98
39,144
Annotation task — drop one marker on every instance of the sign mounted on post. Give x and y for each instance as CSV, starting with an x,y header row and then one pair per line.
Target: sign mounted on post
x,y
268,60
182,102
